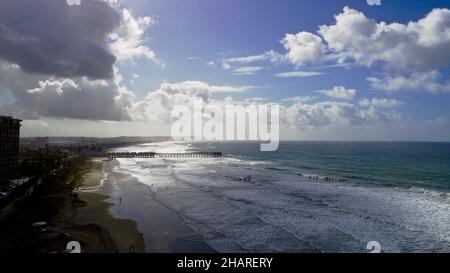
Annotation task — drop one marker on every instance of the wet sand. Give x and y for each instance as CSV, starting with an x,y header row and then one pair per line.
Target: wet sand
x,y
94,178
58,206
123,233
127,210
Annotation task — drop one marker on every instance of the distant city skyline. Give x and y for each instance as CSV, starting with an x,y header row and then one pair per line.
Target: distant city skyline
x,y
340,70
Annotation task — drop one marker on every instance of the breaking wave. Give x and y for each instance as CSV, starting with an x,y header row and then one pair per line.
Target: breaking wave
x,y
260,206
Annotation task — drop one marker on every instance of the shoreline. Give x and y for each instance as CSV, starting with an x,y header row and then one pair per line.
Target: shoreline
x,y
123,233
54,203
134,221
96,210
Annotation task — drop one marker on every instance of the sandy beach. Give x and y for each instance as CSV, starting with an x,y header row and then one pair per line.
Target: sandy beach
x,y
124,233
96,210
134,221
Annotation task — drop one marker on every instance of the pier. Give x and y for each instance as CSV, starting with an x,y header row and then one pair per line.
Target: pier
x,y
162,155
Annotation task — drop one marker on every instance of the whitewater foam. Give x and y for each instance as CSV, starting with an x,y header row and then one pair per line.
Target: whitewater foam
x,y
239,205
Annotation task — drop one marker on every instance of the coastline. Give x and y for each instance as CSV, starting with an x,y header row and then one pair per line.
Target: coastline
x,y
96,210
131,217
122,232
54,203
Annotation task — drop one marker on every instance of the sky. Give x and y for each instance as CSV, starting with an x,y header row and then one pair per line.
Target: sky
x,y
340,70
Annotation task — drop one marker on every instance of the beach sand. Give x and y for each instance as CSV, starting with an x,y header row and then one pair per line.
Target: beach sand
x,y
134,221
58,206
96,211
93,178
124,233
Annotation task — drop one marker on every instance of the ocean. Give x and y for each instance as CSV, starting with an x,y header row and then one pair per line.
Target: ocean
x,y
305,197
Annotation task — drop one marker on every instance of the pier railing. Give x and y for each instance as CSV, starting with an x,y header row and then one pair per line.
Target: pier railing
x,y
162,155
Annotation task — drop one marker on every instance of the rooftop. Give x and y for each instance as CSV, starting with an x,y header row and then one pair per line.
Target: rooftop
x,y
9,118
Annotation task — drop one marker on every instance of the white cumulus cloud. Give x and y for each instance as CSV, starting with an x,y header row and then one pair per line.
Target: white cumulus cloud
x,y
127,42
419,45
417,81
303,115
34,96
303,47
381,103
339,92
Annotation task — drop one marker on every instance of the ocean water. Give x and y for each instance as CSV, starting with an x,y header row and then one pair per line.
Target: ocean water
x,y
307,196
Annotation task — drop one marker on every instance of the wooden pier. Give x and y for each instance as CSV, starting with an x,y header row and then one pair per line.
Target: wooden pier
x,y
162,155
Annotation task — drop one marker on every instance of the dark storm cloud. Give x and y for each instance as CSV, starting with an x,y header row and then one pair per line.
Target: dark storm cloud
x,y
31,96
51,37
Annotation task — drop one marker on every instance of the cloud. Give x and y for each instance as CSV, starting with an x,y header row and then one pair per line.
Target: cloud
x,y
270,55
303,47
419,45
380,103
300,99
157,105
248,59
53,82
408,54
73,2
339,92
419,81
302,114
32,96
374,2
57,58
51,37
331,113
226,65
298,74
255,99
127,42
247,70
113,3
240,65
195,88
